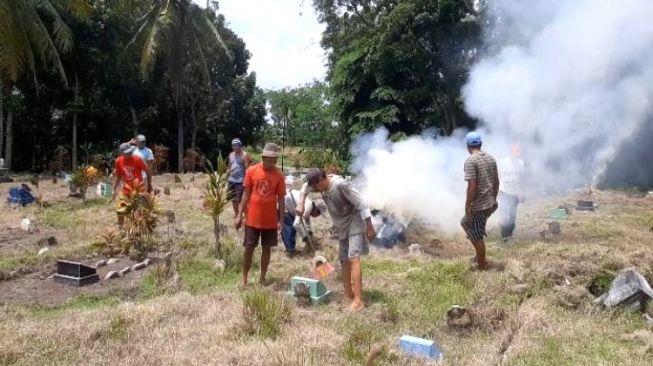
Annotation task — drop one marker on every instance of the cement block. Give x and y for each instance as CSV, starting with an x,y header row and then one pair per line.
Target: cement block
x,y
558,214
318,292
315,287
420,347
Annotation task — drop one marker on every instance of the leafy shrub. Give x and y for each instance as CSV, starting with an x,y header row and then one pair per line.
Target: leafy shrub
x,y
84,177
216,198
322,158
140,210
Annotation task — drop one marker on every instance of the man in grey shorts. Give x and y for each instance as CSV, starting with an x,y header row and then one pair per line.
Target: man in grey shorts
x,y
238,163
482,189
353,223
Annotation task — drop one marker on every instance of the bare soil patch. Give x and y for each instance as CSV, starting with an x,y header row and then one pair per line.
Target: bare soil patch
x,y
38,288
13,240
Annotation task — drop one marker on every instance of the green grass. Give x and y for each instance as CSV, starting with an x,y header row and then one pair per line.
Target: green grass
x,y
264,313
197,275
602,229
587,350
375,267
431,291
70,214
360,336
27,260
596,339
81,302
118,328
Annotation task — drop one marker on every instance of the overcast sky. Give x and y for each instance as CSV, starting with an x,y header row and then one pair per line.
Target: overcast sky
x,y
283,37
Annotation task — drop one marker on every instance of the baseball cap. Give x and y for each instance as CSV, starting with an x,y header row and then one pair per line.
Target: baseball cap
x,y
140,138
236,142
313,175
473,139
126,148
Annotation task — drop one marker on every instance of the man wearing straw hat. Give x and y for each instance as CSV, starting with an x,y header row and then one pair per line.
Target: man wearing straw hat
x,y
263,198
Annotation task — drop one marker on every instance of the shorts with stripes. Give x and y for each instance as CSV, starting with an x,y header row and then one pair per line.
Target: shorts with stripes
x,y
475,225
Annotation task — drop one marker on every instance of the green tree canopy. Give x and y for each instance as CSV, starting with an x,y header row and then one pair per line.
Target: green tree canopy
x,y
399,63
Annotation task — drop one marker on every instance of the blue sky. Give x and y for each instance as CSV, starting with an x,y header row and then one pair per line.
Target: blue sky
x,y
283,37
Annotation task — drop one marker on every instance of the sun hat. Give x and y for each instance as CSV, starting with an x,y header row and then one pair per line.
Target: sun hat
x,y
126,148
271,150
473,139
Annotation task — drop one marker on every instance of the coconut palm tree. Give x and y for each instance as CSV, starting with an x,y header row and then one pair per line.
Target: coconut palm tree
x,y
25,41
177,31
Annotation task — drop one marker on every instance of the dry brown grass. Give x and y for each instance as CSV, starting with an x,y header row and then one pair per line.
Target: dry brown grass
x,y
533,312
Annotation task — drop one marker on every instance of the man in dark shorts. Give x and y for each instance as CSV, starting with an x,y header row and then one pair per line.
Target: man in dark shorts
x,y
238,163
263,198
482,179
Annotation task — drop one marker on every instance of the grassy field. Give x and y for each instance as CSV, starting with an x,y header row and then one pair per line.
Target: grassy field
x,y
534,309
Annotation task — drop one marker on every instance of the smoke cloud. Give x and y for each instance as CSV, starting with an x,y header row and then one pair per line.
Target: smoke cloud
x,y
568,80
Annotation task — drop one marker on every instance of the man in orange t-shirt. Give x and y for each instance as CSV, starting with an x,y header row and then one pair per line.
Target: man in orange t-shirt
x,y
264,199
129,169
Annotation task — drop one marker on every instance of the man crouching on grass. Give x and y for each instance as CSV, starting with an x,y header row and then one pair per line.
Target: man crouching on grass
x,y
353,222
264,199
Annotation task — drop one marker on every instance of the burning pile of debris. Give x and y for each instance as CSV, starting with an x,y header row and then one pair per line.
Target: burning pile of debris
x,y
390,230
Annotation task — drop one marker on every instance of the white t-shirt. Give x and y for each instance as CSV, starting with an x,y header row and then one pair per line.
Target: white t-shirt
x,y
292,199
146,155
511,171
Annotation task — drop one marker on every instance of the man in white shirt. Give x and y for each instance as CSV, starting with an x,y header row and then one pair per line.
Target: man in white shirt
x,y
511,173
294,224
143,152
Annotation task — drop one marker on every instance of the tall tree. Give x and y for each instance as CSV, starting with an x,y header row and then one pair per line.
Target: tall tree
x,y
179,31
399,63
25,40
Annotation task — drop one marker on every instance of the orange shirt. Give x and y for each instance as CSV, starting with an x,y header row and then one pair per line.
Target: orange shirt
x,y
266,188
130,169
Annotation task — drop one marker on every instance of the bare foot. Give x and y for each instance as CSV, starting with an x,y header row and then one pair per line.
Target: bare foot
x,y
349,295
243,285
479,267
356,306
263,282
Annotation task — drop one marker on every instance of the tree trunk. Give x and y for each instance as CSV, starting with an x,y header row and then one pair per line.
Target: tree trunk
x,y
180,140
10,139
193,139
74,149
216,234
451,111
135,121
2,122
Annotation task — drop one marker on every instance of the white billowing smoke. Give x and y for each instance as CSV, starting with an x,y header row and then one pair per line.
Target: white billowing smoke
x,y
568,80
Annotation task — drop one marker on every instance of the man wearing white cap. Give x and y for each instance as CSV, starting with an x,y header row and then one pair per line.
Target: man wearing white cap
x,y
143,152
238,163
294,224
129,169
